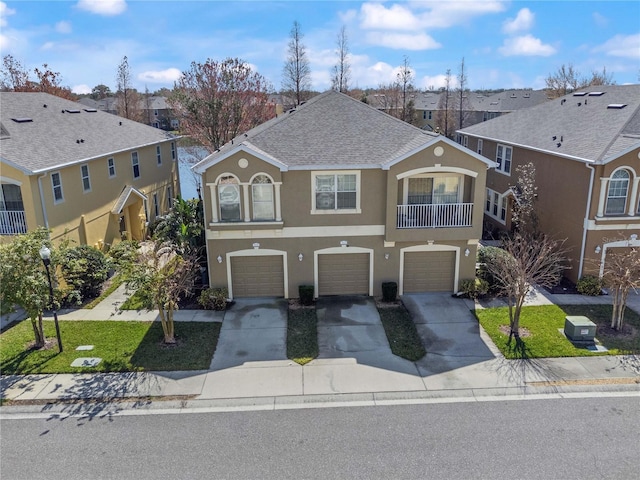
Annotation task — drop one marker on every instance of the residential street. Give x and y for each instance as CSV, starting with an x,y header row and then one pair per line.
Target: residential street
x,y
560,438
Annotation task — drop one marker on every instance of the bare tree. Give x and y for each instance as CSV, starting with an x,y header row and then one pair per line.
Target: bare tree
x,y
216,101
296,79
445,114
404,81
527,260
462,100
16,78
601,78
524,215
342,70
621,274
128,98
567,79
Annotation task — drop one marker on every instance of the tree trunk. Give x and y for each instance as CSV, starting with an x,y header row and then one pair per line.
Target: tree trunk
x,y
619,304
38,331
166,319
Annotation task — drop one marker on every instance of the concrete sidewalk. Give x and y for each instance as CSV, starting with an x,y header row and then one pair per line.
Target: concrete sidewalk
x,y
339,379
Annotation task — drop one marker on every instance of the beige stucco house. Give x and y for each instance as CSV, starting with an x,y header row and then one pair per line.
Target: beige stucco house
x,y
341,196
87,175
586,150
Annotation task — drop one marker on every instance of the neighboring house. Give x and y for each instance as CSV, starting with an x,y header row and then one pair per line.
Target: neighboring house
x,y
155,110
338,195
85,174
586,150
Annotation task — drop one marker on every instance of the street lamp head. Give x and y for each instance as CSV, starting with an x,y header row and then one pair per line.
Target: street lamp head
x,y
45,254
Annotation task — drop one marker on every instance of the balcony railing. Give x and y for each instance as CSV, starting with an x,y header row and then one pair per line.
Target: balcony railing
x,y
12,222
435,215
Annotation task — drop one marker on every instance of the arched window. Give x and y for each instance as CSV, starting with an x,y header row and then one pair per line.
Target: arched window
x,y
262,196
229,198
617,194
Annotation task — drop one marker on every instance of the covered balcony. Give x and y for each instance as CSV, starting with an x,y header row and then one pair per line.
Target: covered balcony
x,y
12,216
429,215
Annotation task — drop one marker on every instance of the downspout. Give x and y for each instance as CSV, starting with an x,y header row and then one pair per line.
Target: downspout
x,y
44,208
586,220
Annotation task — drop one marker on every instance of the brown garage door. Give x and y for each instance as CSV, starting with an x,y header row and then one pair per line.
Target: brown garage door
x,y
343,274
429,272
261,276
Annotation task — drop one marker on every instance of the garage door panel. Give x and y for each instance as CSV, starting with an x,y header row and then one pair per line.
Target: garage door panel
x,y
257,276
429,271
343,274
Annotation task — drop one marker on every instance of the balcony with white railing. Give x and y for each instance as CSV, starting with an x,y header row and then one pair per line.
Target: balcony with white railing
x,y
443,215
12,222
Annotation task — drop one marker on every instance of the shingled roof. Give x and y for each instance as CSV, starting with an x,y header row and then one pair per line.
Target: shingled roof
x,y
42,133
584,125
331,130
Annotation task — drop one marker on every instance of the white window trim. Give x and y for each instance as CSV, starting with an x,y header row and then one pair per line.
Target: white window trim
x,y
134,164
158,156
156,206
480,145
88,177
500,168
405,184
109,166
169,197
53,188
493,204
273,197
336,211
173,150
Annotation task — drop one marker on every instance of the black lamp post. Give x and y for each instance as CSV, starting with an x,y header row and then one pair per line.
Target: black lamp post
x,y
45,255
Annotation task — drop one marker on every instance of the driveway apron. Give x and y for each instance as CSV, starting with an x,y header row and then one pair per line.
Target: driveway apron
x,y
350,327
449,331
253,330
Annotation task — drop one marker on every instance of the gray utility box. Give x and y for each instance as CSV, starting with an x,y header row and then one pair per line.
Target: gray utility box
x,y
579,329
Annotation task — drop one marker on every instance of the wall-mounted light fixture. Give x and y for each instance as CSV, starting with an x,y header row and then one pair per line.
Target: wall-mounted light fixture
x,y
386,256
256,245
633,237
300,256
467,252
598,249
219,259
344,243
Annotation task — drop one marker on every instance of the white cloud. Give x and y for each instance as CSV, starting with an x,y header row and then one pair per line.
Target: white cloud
x,y
81,89
5,12
526,46
424,14
348,16
4,42
403,41
434,82
626,46
522,23
600,20
63,27
103,7
161,76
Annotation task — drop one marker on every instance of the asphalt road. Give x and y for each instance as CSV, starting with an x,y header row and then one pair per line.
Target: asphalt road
x,y
547,439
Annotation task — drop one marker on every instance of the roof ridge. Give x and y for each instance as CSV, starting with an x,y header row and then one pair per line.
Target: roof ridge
x,y
615,137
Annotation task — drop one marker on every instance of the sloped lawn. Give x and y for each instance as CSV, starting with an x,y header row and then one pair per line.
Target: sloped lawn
x,y
540,336
123,346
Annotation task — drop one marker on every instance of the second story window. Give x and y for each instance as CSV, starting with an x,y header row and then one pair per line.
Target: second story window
x,y
86,181
156,205
135,164
229,199
336,192
480,142
169,197
262,195
158,155
617,193
173,150
503,159
111,166
56,185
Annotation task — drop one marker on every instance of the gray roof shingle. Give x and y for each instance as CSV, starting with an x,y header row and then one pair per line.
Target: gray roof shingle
x,y
51,139
583,126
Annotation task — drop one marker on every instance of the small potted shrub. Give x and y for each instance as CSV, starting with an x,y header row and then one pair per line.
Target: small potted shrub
x,y
389,291
214,298
306,294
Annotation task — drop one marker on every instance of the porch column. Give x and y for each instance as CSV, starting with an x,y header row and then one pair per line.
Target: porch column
x,y
214,202
634,197
245,201
278,207
603,193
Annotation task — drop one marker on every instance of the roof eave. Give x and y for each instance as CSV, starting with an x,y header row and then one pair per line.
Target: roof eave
x,y
217,157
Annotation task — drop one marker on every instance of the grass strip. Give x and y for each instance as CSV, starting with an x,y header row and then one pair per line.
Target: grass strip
x,y
402,333
115,283
302,335
122,346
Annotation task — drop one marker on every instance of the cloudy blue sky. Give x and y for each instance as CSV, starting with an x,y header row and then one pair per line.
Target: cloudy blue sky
x,y
506,44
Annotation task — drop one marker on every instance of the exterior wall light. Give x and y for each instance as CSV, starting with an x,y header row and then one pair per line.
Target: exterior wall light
x,y
256,246
219,259
386,256
300,256
467,252
344,243
598,249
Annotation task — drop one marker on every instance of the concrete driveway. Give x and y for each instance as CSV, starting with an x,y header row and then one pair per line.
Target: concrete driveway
x,y
253,330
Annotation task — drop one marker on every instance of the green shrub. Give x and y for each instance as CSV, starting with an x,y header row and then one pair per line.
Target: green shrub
x,y
474,287
214,298
389,291
124,252
306,294
84,269
487,255
589,285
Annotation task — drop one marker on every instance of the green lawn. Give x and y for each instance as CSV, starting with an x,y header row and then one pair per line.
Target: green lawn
x,y
543,338
401,333
302,335
123,346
